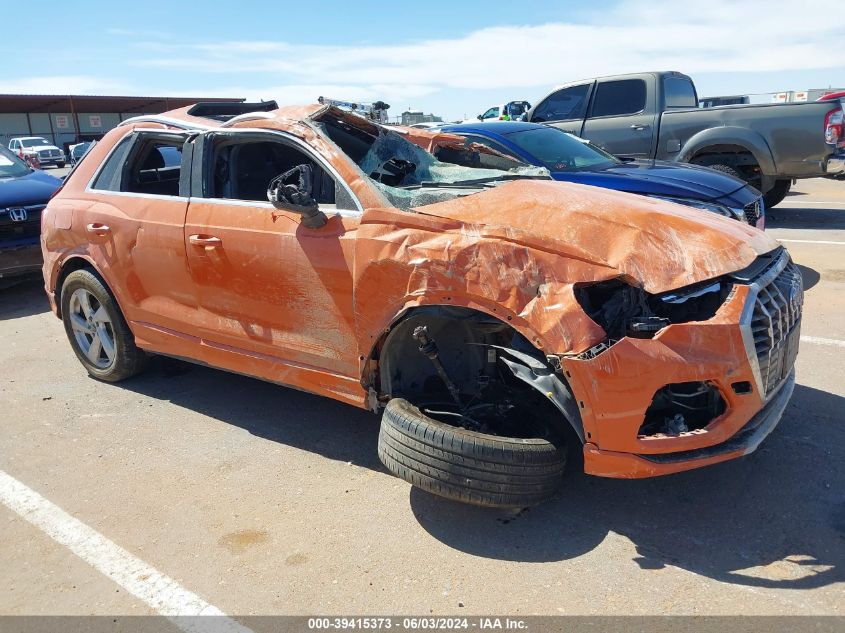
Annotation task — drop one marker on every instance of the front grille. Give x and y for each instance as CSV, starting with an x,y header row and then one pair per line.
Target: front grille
x,y
14,229
48,153
776,324
753,211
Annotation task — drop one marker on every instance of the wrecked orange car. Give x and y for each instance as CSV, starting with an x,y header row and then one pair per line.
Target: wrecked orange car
x,y
497,318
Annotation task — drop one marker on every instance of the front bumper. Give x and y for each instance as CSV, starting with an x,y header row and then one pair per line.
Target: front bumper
x,y
20,260
749,437
729,352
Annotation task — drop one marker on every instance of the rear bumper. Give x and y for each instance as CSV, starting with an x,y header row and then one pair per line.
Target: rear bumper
x,y
20,260
836,165
745,441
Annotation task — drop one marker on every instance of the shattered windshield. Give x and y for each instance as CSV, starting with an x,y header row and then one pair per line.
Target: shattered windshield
x,y
409,176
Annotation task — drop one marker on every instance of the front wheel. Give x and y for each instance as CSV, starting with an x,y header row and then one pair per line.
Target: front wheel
x,y
60,165
468,466
96,329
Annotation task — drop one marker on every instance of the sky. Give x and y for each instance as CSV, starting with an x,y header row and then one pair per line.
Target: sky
x,y
454,59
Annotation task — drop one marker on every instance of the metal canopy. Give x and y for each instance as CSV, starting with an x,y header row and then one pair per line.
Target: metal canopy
x,y
92,103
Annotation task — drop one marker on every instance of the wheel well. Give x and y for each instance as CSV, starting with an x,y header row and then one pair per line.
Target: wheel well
x,y
484,357
71,265
735,156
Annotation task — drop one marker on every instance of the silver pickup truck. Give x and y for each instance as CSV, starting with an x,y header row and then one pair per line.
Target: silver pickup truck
x,y
655,115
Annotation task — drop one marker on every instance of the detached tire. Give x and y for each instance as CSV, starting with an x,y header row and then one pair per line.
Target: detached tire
x,y
451,462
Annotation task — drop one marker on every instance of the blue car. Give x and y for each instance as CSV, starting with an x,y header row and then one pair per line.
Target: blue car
x,y
572,159
24,192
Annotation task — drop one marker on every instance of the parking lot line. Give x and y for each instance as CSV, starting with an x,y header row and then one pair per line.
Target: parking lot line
x,y
815,340
160,592
781,239
786,204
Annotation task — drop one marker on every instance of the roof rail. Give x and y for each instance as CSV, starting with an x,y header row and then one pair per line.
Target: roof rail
x,y
225,110
249,116
166,120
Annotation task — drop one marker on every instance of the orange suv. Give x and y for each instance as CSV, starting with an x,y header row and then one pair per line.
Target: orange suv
x,y
494,316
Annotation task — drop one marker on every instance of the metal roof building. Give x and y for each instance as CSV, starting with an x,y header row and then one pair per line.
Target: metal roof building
x,y
69,119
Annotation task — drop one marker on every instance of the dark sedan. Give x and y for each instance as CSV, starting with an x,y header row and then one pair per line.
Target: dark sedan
x,y
23,194
572,159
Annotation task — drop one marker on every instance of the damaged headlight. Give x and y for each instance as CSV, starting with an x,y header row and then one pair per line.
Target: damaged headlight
x,y
624,310
713,207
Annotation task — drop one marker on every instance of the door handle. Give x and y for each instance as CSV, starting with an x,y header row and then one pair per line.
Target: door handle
x,y
208,241
97,228
639,128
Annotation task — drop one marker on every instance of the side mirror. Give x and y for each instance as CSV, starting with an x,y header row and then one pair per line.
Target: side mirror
x,y
296,196
480,117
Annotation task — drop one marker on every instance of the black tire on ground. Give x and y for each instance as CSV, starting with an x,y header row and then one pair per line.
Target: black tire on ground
x,y
466,466
726,169
776,194
60,165
128,359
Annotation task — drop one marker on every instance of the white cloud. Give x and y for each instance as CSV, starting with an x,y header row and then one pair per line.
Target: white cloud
x,y
636,35
66,84
452,74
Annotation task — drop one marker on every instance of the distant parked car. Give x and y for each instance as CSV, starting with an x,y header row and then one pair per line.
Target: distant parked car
x,y
76,152
41,148
23,194
573,159
513,110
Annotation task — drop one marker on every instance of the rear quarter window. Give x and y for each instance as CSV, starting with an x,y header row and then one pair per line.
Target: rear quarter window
x,y
108,179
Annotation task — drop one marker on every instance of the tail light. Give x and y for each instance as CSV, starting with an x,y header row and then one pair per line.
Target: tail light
x,y
834,130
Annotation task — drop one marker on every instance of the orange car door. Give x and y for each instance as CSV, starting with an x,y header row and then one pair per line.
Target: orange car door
x,y
134,228
268,286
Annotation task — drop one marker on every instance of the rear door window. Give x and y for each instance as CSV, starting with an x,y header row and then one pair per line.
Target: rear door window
x,y
567,103
144,163
619,98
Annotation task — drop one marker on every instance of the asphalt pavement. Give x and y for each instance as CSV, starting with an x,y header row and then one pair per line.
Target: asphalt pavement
x,y
256,499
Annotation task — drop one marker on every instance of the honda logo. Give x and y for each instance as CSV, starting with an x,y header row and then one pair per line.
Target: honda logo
x,y
17,215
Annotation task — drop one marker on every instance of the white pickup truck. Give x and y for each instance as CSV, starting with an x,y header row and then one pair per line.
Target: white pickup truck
x,y
41,148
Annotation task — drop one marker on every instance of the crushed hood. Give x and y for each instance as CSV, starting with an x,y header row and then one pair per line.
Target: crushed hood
x,y
654,244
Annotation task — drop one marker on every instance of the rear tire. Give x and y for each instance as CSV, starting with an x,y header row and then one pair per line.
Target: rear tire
x,y
96,329
776,194
476,468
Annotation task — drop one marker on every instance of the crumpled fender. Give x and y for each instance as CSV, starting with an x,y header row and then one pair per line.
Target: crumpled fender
x,y
404,260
